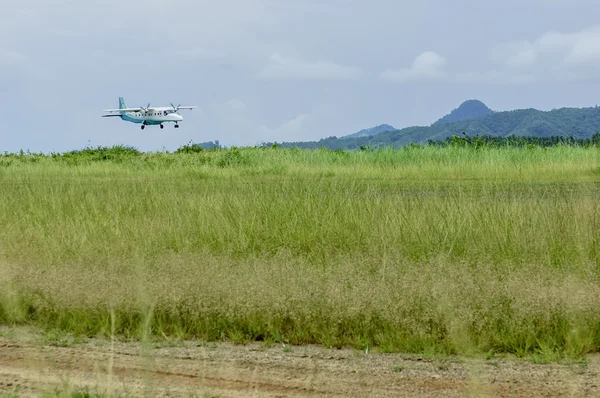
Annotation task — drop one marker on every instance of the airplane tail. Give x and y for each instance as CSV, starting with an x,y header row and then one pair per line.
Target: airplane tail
x,y
122,103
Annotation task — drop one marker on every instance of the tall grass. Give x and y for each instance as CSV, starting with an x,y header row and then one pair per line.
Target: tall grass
x,y
452,250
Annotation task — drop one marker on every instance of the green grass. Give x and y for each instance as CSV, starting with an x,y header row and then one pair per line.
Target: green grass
x,y
428,250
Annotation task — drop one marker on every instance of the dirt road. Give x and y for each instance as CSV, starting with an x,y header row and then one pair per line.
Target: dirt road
x,y
29,366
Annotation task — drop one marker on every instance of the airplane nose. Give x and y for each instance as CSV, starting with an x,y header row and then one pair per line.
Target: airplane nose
x,y
179,117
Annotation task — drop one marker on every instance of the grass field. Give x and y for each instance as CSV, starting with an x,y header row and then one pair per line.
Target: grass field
x,y
431,250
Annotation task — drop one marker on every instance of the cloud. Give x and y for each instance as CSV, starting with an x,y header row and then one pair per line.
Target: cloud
x,y
287,68
290,130
520,55
496,77
555,54
427,66
196,52
199,52
582,48
551,57
236,120
9,57
574,48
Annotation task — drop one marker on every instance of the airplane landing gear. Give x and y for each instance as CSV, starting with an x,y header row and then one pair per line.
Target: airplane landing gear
x,y
143,126
162,127
176,126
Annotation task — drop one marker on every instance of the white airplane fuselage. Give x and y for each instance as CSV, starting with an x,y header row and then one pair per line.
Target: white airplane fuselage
x,y
153,117
148,116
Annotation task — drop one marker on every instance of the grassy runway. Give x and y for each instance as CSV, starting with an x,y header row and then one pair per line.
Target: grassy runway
x,y
432,250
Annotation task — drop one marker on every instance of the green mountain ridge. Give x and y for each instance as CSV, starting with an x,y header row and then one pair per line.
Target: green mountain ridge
x,y
382,128
564,122
468,110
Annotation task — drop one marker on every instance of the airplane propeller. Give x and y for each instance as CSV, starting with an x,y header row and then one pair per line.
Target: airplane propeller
x,y
146,108
175,108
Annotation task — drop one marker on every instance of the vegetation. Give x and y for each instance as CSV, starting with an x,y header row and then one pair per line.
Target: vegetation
x,y
468,110
372,131
517,142
578,123
454,248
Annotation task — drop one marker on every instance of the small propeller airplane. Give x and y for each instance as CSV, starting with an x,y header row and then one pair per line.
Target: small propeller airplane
x,y
148,116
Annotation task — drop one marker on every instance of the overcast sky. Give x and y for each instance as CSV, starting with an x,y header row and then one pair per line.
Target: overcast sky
x,y
282,70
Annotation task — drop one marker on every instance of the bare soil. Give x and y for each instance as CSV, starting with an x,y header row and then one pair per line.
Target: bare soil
x,y
31,364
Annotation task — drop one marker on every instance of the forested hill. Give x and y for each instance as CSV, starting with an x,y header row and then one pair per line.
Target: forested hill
x,y
372,131
468,110
564,122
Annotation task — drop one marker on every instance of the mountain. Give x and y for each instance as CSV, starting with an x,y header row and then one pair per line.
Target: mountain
x,y
468,110
372,131
565,122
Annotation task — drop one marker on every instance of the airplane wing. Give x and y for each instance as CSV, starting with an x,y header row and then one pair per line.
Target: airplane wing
x,y
126,110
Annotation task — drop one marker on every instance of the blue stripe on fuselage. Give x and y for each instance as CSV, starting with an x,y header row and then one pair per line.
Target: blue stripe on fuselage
x,y
133,119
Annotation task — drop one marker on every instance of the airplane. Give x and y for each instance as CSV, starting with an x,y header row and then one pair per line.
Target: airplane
x,y
148,116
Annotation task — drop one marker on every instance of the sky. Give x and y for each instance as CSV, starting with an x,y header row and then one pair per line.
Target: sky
x,y
282,70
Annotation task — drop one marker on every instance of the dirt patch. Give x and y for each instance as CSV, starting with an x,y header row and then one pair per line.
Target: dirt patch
x,y
30,366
